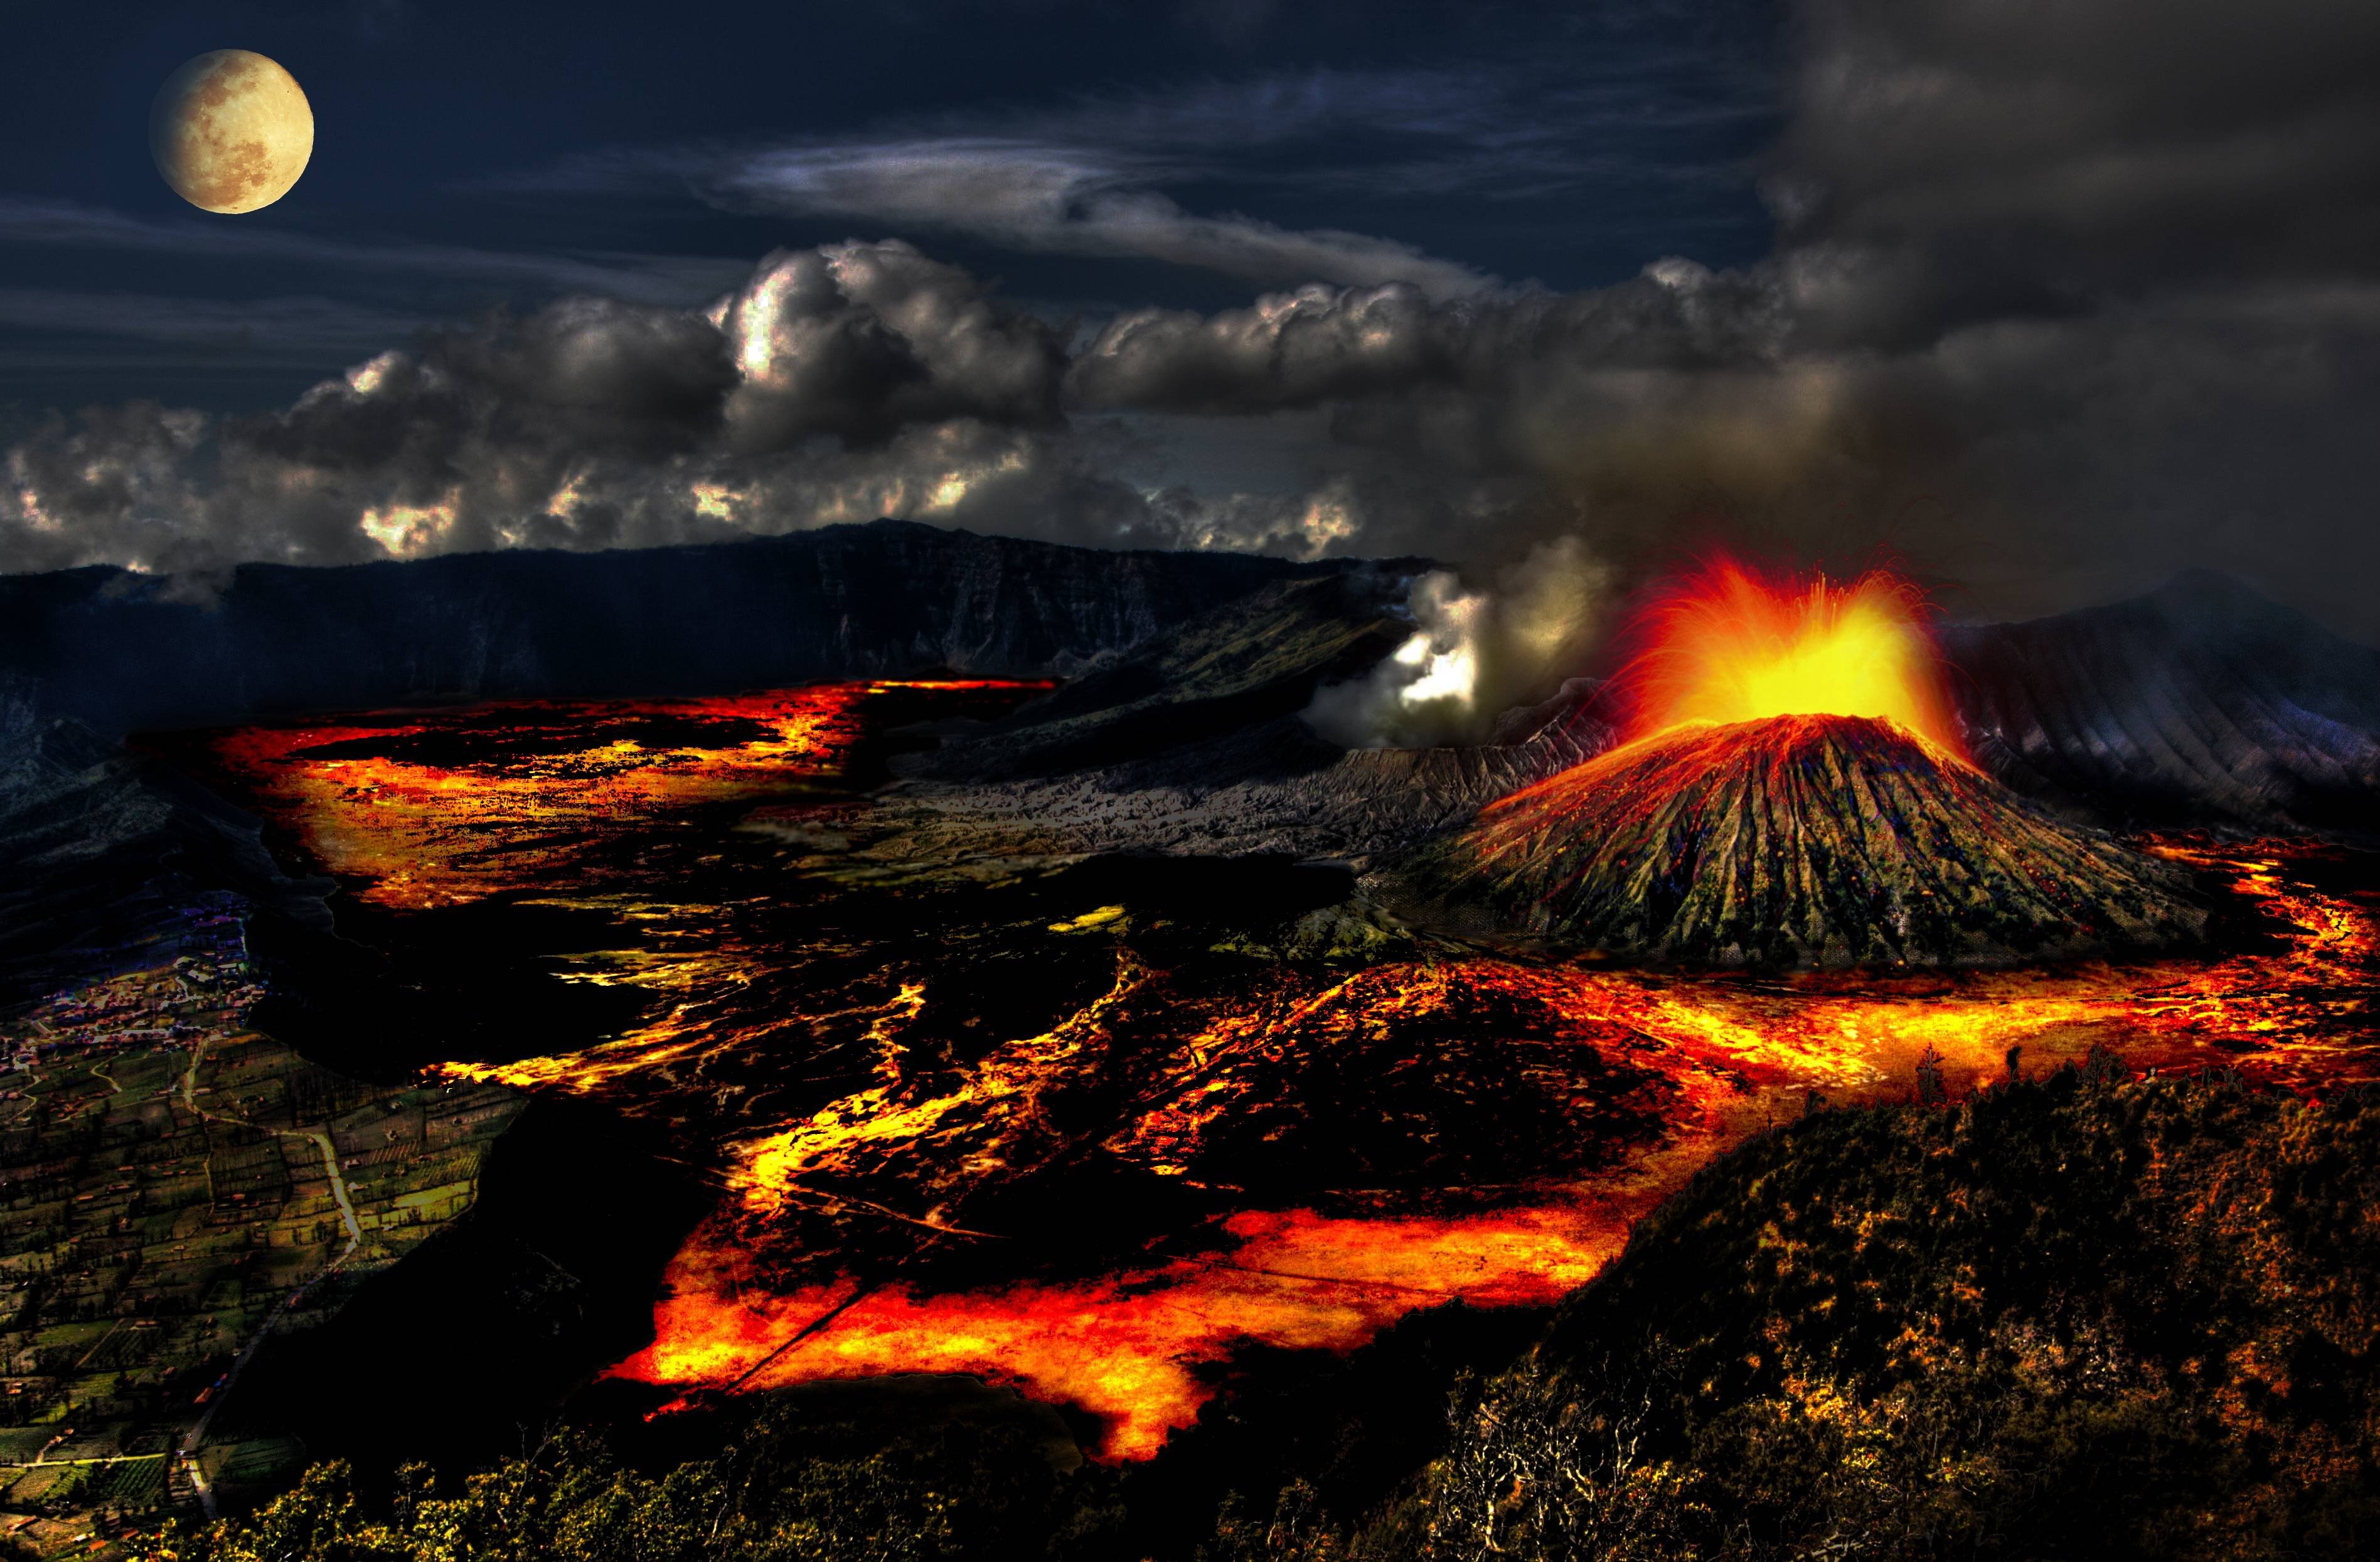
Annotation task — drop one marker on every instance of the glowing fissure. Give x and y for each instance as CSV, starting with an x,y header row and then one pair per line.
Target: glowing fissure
x,y
1001,1089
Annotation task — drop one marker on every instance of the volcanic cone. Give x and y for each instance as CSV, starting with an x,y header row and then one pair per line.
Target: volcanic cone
x,y
1796,841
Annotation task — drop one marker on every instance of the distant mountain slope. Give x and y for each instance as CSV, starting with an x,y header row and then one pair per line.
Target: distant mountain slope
x,y
122,652
101,850
1193,744
2200,702
1251,660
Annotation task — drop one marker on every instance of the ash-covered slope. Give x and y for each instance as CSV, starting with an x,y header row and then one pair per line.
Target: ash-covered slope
x,y
101,849
1193,744
1791,842
1248,661
1274,790
2200,702
124,653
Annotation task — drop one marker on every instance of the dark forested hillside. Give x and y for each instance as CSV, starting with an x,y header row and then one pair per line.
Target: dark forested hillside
x,y
2074,1318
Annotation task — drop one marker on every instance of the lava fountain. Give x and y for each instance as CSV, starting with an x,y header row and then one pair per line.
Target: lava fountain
x,y
1725,645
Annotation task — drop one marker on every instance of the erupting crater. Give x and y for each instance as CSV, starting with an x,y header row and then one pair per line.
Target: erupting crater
x,y
1802,840
1792,794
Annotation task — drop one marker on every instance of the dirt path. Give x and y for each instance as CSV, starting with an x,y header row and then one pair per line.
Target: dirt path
x,y
188,1452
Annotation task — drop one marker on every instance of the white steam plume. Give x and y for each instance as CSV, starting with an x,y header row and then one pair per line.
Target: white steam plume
x,y
1471,652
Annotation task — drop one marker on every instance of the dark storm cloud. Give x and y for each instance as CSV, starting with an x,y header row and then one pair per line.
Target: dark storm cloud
x,y
835,383
1325,345
2105,143
2065,299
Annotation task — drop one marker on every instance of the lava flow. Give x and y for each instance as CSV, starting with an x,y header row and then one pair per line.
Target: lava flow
x,y
1054,1131
1587,1097
420,809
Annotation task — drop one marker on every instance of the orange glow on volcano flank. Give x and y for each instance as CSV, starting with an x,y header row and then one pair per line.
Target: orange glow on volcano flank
x,y
1726,644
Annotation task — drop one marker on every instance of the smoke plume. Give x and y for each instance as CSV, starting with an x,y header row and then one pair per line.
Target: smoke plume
x,y
1473,651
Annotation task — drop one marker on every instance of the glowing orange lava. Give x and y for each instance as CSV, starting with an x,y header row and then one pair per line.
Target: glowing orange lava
x,y
1141,1348
439,808
880,1224
1727,645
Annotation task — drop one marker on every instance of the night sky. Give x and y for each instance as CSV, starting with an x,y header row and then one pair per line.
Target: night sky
x,y
2045,300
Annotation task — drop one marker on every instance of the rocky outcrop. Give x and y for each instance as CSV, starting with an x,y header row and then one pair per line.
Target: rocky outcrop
x,y
1795,841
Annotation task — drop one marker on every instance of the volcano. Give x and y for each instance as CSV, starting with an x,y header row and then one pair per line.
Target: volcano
x,y
1801,840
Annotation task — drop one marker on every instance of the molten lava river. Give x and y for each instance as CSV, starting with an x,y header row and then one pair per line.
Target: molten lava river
x,y
1069,1125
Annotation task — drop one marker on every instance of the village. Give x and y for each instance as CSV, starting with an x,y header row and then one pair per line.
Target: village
x,y
175,1191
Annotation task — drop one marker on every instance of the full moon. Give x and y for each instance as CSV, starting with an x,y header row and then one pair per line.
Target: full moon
x,y
231,131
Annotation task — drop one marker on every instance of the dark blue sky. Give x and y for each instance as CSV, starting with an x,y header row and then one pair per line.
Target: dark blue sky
x,y
470,155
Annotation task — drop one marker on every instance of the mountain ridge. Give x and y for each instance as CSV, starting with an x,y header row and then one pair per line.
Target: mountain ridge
x,y
124,653
2203,700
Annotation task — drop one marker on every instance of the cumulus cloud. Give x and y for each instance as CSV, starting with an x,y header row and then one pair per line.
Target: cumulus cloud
x,y
836,383
1301,525
1322,343
2102,142
859,340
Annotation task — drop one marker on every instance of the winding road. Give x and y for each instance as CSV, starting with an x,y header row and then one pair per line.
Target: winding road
x,y
188,1452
